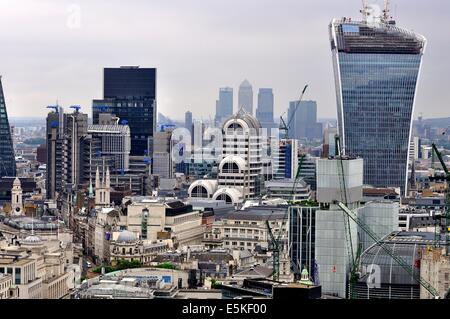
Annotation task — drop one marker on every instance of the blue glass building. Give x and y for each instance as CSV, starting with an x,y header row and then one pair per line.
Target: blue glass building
x,y
376,67
130,94
7,158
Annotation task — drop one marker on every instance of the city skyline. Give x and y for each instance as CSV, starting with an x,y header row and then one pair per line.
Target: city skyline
x,y
190,81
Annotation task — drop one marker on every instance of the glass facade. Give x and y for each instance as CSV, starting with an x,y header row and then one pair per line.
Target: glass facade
x,y
224,106
376,72
7,158
302,231
130,94
264,111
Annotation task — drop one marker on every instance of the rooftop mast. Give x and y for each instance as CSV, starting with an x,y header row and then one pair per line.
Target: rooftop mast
x,y
387,11
365,10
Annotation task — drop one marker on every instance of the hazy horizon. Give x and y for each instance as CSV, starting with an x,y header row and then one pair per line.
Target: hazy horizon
x,y
57,50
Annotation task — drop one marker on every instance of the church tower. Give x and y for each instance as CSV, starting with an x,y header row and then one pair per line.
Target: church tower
x,y
102,188
16,198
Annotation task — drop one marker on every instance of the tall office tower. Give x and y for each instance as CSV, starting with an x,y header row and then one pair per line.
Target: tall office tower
x,y
163,165
304,122
54,136
75,129
377,67
224,106
264,111
245,96
130,94
7,157
188,121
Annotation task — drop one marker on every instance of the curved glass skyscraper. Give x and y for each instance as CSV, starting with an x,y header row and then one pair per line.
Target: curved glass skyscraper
x,y
7,158
376,67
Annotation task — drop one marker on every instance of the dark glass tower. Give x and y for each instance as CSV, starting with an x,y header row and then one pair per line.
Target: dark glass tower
x,y
130,94
376,67
7,158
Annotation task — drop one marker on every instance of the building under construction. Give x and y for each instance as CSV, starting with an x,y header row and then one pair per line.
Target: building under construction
x,y
388,279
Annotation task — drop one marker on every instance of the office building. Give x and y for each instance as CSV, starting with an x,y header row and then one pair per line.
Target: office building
x,y
308,170
288,189
111,143
241,166
55,134
264,111
130,94
7,158
163,164
247,229
303,119
329,142
285,158
188,124
302,232
376,66
240,171
74,129
224,106
245,97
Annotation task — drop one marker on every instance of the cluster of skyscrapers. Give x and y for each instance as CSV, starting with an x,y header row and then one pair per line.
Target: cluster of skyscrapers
x,y
120,138
264,110
376,68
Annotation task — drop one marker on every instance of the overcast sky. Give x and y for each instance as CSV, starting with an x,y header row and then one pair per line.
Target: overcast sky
x,y
57,49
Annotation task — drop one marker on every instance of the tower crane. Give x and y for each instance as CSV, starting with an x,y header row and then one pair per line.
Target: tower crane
x,y
355,258
445,218
286,127
54,107
275,242
76,108
399,260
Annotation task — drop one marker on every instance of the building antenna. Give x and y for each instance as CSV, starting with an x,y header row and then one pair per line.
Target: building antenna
x,y
365,11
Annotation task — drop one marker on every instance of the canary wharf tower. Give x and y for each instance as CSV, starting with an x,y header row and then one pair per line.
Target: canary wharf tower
x,y
7,159
376,66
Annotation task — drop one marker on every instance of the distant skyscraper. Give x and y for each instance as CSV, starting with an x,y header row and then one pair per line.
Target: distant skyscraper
x,y
245,98
377,66
75,128
55,141
7,156
224,106
130,94
188,121
304,124
264,111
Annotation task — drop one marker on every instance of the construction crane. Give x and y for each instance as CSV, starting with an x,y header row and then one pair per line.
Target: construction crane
x,y
286,127
387,11
54,107
275,242
76,108
445,218
408,268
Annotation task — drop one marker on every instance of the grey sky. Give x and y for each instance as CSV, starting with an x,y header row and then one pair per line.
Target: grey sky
x,y
197,46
